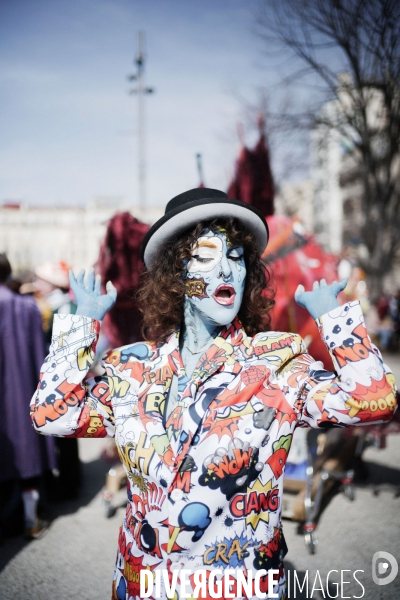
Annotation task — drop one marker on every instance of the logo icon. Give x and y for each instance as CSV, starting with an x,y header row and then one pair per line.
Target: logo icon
x,y
384,568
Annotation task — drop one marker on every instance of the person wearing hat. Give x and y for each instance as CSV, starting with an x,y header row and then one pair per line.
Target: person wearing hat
x,y
204,410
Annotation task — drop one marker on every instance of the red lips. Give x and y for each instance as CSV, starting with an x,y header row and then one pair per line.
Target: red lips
x,y
224,294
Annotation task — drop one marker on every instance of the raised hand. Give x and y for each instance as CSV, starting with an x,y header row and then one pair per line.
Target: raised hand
x,y
321,299
91,302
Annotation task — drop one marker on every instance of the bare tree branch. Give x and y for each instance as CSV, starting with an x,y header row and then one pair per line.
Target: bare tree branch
x,y
361,38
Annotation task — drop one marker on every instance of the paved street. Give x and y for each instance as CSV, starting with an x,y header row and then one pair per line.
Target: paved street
x,y
76,557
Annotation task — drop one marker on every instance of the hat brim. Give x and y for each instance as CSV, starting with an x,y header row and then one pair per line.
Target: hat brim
x,y
182,218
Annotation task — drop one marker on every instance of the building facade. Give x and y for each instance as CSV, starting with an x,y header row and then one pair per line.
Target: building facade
x,y
326,154
33,235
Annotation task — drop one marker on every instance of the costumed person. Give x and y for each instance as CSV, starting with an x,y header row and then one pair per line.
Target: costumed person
x,y
119,261
204,412
24,457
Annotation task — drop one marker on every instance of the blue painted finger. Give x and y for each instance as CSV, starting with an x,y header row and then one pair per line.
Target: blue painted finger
x,y
97,285
79,279
298,293
89,281
111,291
338,286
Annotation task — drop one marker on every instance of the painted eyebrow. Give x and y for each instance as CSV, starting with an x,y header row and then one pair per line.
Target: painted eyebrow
x,y
205,244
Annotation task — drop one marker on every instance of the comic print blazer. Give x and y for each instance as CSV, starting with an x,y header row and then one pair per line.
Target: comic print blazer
x,y
205,488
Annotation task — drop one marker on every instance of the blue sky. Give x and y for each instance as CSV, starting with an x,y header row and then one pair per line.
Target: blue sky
x,y
69,127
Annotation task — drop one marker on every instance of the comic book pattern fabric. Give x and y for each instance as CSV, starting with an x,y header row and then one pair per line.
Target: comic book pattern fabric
x,y
204,491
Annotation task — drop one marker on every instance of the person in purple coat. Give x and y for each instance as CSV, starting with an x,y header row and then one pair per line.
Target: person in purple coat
x,y
24,456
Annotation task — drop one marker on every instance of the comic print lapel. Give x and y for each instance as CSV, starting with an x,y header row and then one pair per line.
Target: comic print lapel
x,y
221,355
220,361
153,393
215,359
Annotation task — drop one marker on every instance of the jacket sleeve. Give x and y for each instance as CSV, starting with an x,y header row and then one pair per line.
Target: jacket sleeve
x,y
361,390
64,404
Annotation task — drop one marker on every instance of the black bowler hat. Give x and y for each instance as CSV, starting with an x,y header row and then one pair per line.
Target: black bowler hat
x,y
201,204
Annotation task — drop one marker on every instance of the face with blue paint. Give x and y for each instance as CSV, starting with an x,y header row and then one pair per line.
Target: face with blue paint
x,y
215,278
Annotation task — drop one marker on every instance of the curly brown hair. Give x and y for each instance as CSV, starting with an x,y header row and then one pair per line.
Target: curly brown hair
x,y
161,294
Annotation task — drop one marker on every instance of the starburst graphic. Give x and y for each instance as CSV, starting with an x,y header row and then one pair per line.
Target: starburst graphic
x,y
256,517
196,288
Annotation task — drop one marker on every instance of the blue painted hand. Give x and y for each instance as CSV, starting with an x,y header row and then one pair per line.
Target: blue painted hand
x,y
321,299
91,302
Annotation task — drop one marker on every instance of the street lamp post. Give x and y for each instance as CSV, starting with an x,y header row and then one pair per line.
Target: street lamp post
x,y
141,90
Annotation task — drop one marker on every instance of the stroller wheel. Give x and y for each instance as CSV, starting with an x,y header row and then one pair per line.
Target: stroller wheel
x,y
108,510
348,491
311,542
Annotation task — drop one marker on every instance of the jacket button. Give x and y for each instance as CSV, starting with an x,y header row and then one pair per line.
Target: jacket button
x,y
176,494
